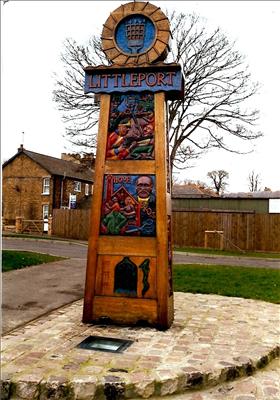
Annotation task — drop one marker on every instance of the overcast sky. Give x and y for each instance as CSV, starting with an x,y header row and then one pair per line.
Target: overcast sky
x,y
32,36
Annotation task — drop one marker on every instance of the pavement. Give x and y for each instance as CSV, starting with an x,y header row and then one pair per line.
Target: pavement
x,y
33,291
217,348
213,350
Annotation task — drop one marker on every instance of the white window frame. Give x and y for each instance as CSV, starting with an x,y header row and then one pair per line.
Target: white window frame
x,y
45,207
77,186
46,186
86,189
274,206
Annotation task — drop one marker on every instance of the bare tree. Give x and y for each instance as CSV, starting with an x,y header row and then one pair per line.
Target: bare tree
x,y
214,110
80,111
218,178
217,85
254,181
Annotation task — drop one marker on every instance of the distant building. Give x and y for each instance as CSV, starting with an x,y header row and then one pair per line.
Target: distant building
x,y
192,197
34,184
192,190
266,201
265,194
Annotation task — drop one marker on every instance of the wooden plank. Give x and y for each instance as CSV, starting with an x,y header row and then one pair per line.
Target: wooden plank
x,y
164,316
133,167
137,246
96,207
275,231
116,308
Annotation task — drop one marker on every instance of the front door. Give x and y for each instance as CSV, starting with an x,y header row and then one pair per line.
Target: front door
x,y
45,217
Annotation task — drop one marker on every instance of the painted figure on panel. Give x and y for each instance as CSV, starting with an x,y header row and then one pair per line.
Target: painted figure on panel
x,y
129,205
131,127
125,282
126,277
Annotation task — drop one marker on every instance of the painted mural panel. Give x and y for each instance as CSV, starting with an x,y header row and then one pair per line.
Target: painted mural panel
x,y
131,127
126,276
128,205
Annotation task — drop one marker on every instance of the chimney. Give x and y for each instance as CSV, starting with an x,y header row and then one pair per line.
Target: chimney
x,y
20,149
71,157
88,159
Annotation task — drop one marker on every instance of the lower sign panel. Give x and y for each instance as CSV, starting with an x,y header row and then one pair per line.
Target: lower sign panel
x,y
126,276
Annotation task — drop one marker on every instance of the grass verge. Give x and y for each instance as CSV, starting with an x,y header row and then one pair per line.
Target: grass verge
x,y
200,250
20,259
249,283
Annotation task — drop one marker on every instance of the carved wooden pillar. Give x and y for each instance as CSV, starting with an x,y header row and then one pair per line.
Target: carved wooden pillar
x,y
129,270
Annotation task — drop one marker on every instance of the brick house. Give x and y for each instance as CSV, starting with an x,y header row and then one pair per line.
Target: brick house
x,y
34,184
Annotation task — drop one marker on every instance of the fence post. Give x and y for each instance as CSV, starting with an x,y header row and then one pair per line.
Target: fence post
x,y
222,240
19,224
205,239
50,221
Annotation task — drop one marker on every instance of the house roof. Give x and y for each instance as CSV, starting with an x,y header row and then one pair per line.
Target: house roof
x,y
267,194
191,190
56,166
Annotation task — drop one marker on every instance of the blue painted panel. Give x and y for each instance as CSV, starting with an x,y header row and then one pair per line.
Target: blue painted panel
x,y
135,34
96,82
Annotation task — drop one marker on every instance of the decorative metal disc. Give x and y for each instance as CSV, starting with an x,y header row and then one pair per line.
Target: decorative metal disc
x,y
136,33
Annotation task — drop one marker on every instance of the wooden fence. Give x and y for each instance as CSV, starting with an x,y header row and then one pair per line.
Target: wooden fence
x,y
246,231
73,224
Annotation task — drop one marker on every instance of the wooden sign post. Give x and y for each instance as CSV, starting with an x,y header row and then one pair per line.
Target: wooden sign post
x,y
129,269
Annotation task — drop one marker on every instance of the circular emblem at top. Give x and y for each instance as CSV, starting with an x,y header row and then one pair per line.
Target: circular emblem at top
x,y
136,33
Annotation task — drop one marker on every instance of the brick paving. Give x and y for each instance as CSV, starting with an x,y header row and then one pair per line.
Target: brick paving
x,y
263,385
217,348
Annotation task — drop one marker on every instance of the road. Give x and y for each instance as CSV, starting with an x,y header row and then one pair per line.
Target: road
x,y
79,251
53,247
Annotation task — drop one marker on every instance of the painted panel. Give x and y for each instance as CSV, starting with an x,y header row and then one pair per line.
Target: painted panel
x,y
126,276
131,127
128,205
135,34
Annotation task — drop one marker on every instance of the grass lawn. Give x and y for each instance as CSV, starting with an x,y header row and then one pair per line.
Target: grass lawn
x,y
249,283
201,250
20,259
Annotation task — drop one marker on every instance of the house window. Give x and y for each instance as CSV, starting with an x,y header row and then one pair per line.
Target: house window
x,y
77,186
86,189
46,186
45,211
